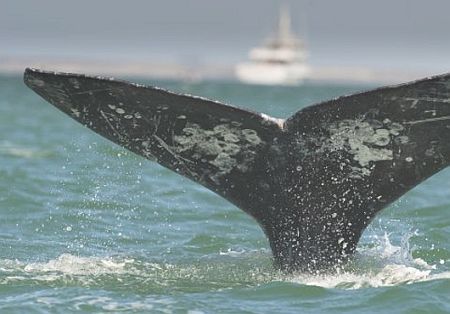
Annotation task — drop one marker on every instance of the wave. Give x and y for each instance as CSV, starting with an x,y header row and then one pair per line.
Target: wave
x,y
381,265
14,150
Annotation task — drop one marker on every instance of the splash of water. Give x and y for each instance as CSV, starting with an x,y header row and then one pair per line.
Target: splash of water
x,y
383,264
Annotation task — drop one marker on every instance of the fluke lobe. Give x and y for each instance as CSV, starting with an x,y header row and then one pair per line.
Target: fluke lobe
x,y
313,182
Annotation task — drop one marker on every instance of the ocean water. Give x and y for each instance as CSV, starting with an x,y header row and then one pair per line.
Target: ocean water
x,y
87,226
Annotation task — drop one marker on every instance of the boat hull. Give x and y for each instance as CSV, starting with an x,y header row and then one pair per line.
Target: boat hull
x,y
272,74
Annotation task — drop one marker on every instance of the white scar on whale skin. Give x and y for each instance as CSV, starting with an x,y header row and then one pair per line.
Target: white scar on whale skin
x,y
430,99
277,121
367,143
219,146
428,120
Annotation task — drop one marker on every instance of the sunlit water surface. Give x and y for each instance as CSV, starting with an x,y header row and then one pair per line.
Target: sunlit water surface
x,y
86,225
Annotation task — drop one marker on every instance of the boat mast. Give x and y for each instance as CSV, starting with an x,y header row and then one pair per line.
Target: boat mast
x,y
284,24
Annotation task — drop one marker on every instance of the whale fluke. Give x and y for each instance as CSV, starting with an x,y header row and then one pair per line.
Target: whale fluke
x,y
313,181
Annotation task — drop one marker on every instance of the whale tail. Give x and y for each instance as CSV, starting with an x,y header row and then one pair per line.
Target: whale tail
x,y
313,182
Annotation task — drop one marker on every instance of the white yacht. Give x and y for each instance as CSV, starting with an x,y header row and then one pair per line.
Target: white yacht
x,y
280,61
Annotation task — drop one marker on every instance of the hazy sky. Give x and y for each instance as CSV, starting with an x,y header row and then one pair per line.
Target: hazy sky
x,y
378,33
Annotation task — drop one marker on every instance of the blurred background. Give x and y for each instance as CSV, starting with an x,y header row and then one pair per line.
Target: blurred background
x,y
348,40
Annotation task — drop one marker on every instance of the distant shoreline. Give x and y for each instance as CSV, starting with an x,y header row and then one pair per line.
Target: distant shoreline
x,y
178,71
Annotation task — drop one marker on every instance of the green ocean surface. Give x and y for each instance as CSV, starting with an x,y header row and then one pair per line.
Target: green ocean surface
x,y
88,226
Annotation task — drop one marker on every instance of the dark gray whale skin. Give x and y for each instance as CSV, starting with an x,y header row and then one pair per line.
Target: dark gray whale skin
x,y
313,181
